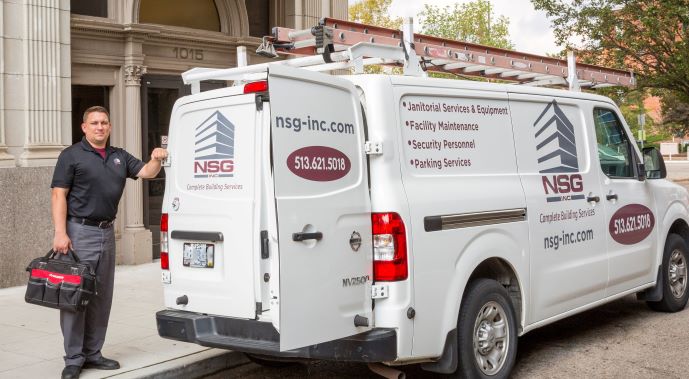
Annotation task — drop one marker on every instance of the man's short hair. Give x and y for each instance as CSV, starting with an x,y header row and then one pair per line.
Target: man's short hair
x,y
95,108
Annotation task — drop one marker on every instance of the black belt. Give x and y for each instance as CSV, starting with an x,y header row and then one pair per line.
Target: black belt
x,y
85,221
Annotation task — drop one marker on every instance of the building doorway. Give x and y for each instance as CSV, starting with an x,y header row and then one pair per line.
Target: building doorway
x,y
84,97
158,96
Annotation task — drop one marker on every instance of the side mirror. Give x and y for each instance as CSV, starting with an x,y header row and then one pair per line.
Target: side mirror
x,y
654,163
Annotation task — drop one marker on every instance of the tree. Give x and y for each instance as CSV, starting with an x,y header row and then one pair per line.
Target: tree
x,y
631,104
648,36
675,115
374,12
472,22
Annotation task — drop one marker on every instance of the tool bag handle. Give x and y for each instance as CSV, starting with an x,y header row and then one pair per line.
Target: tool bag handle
x,y
70,252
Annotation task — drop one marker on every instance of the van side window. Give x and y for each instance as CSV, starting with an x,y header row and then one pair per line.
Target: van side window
x,y
614,148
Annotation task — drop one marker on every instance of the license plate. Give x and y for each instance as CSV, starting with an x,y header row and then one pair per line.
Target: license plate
x,y
199,255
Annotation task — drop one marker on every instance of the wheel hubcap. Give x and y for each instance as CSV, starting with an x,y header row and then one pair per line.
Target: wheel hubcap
x,y
491,338
677,273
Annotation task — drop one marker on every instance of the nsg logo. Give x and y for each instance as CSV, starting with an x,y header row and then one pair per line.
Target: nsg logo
x,y
214,148
557,148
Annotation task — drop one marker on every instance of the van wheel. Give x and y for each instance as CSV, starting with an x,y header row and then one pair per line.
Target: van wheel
x,y
674,276
486,332
272,362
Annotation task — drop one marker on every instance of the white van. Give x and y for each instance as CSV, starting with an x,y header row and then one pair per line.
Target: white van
x,y
401,219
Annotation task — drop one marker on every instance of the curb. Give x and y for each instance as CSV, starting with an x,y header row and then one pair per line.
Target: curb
x,y
195,365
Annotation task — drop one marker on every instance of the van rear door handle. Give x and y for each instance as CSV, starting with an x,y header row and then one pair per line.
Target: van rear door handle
x,y
592,198
611,196
307,236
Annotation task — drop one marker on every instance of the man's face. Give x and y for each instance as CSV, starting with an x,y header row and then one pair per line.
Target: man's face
x,y
96,129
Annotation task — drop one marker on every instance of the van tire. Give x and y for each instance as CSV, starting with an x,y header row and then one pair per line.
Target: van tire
x,y
486,304
271,362
673,276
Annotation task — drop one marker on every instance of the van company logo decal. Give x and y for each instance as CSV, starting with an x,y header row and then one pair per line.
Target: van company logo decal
x,y
557,148
214,147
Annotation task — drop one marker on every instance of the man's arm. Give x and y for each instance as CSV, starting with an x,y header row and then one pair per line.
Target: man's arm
x,y
58,201
152,168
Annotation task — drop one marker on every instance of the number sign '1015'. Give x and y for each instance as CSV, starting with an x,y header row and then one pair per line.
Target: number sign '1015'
x,y
184,53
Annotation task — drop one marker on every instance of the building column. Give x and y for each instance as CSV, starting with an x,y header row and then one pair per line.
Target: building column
x,y
6,160
136,240
303,14
45,81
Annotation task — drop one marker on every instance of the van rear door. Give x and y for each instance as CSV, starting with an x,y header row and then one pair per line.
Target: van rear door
x,y
213,203
323,207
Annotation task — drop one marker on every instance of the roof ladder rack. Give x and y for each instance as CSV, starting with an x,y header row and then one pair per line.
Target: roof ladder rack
x,y
440,54
337,44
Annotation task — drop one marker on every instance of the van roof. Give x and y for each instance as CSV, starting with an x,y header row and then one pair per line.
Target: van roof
x,y
394,80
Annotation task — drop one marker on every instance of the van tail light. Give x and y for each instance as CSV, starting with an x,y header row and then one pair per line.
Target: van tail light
x,y
389,247
164,259
255,87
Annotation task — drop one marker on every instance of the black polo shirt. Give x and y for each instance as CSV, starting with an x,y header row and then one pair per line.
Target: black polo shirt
x,y
95,184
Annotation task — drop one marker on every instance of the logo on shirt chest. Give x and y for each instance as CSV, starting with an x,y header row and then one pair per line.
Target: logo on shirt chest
x,y
117,161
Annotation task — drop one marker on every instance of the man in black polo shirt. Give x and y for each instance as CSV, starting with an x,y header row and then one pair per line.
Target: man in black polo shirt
x,y
87,185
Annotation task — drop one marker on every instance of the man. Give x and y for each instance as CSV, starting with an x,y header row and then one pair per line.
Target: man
x,y
87,185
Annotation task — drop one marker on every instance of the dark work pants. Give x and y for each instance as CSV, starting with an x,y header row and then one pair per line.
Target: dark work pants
x,y
84,332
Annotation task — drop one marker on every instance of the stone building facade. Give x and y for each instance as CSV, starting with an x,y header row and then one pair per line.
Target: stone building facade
x,y
61,56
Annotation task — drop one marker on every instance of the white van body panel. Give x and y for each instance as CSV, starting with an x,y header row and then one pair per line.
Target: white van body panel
x,y
448,168
505,244
321,186
507,155
563,276
584,308
388,195
211,200
672,205
629,265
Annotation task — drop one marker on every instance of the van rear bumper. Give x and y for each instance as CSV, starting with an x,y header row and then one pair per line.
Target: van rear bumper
x,y
250,336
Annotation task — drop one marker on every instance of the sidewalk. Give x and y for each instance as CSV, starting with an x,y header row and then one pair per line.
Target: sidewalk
x,y
31,341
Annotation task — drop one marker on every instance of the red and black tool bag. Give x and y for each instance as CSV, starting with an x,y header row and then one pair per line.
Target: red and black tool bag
x,y
60,284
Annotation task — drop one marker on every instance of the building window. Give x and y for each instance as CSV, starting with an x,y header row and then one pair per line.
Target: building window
x,y
98,8
196,14
259,15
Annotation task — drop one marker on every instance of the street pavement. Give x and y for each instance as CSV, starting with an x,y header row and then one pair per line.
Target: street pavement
x,y
623,339
31,341
678,170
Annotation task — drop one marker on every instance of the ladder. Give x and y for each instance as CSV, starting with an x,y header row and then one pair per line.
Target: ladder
x,y
337,44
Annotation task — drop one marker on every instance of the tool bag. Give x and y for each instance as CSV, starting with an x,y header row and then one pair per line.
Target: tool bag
x,y
60,284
